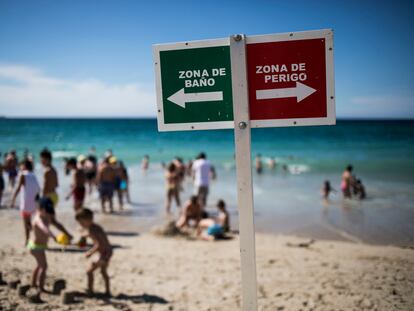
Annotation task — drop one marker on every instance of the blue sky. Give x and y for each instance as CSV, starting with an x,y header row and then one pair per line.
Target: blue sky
x,y
94,58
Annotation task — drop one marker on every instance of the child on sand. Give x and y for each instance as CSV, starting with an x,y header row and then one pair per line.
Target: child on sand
x,y
30,192
210,229
100,245
192,211
38,244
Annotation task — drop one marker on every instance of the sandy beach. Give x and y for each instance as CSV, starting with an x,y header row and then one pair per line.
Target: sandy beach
x,y
150,272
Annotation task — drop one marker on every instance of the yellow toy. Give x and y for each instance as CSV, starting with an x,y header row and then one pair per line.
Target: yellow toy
x,y
62,239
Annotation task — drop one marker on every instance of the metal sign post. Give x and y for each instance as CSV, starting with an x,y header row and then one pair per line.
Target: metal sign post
x,y
244,171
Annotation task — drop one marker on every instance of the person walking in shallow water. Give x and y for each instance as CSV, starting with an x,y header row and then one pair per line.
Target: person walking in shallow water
x,y
347,182
172,179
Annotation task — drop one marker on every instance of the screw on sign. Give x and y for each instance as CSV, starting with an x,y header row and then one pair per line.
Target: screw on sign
x,y
202,85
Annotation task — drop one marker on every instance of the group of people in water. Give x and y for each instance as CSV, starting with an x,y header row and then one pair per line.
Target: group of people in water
x,y
351,186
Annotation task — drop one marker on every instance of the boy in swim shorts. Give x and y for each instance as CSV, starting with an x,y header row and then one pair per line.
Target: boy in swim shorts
x,y
38,244
101,247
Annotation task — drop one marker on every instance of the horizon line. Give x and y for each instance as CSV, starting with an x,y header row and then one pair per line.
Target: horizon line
x,y
155,118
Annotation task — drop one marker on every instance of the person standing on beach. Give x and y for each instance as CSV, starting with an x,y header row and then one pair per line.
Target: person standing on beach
x,y
10,166
201,176
118,180
78,184
124,181
50,184
38,244
172,179
30,193
347,182
1,182
106,184
91,164
100,246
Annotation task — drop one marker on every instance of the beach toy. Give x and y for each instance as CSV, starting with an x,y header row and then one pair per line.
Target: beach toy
x,y
62,239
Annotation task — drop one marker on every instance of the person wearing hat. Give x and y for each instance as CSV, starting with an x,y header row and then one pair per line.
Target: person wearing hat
x,y
78,184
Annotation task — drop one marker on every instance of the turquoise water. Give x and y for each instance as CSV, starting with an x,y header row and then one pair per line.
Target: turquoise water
x,y
382,153
378,148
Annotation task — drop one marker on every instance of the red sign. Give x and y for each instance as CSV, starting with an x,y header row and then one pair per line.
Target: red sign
x,y
290,80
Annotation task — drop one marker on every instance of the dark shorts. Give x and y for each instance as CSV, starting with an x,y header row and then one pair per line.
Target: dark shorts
x,y
90,175
79,194
202,194
1,183
12,173
106,189
117,183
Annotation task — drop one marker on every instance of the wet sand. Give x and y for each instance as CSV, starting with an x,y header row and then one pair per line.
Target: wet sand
x,y
150,272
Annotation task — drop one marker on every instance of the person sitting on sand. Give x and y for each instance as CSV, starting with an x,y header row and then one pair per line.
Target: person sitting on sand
x,y
106,184
38,244
347,181
78,184
326,190
192,211
172,179
101,246
30,193
210,229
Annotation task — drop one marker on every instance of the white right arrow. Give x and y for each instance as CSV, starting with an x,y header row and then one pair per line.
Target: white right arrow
x,y
301,91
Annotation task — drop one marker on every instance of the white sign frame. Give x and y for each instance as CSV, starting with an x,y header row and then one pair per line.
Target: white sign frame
x,y
326,34
192,126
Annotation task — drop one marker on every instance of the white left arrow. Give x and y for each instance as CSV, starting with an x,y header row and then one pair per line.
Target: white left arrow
x,y
180,98
301,91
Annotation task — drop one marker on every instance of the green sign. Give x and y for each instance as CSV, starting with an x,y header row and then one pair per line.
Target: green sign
x,y
193,87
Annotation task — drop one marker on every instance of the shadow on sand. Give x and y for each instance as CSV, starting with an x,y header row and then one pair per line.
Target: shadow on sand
x,y
122,233
119,301
76,249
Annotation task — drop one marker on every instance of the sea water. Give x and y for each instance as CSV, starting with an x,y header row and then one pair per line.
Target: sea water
x,y
286,200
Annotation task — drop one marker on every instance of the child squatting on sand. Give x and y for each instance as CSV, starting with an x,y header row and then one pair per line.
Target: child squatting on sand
x,y
100,245
38,244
